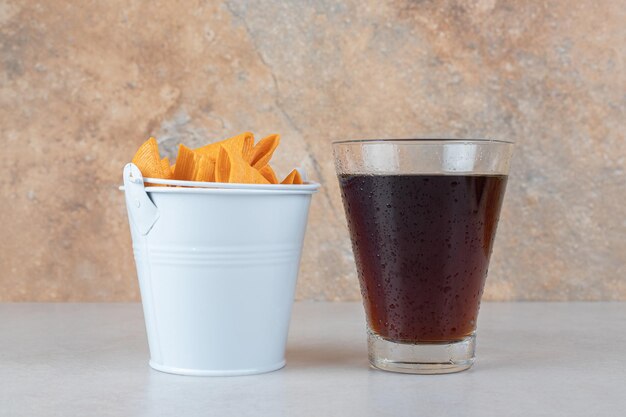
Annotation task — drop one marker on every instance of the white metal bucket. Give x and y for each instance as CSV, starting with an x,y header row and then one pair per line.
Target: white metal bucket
x,y
217,270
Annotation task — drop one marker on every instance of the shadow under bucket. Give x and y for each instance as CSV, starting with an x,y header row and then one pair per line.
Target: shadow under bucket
x,y
217,267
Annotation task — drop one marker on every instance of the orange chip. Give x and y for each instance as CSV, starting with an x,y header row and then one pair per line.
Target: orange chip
x,y
222,166
231,167
293,178
148,160
185,167
269,174
240,144
165,167
263,150
205,169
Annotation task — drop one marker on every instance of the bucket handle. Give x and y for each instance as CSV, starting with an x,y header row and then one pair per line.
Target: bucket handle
x,y
143,213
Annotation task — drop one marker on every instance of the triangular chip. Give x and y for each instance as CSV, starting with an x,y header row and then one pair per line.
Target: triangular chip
x,y
205,169
293,178
231,167
165,168
269,174
241,144
222,166
185,164
148,160
263,150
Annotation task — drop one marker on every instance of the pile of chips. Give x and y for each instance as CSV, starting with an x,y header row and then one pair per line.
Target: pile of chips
x,y
234,160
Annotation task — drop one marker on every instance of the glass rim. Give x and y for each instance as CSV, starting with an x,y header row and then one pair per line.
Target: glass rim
x,y
424,141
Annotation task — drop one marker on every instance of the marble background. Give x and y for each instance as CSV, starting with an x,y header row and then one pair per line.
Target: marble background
x,y
83,83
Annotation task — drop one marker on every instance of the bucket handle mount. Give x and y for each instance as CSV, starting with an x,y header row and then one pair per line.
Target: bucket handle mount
x,y
143,213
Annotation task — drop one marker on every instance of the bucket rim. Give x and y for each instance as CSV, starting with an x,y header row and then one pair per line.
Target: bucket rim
x,y
197,187
224,191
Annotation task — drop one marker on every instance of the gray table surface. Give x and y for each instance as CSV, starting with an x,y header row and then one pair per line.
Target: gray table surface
x,y
539,359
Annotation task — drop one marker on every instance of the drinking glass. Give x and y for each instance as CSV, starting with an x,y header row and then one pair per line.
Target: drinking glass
x,y
422,215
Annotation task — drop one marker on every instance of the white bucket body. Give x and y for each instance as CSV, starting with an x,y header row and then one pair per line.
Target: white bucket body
x,y
217,270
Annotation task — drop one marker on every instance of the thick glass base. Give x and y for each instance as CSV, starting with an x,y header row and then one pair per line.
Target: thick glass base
x,y
421,358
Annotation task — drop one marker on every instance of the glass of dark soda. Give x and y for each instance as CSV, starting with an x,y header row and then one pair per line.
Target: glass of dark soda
x,y
422,215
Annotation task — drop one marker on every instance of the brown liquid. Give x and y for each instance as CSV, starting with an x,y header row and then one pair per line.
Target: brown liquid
x,y
422,245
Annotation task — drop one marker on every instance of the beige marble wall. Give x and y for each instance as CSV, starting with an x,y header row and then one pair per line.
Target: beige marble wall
x,y
82,84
